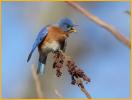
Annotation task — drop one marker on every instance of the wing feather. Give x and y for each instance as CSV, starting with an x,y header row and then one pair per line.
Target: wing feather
x,y
41,35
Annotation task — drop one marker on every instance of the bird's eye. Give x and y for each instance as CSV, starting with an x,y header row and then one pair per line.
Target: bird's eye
x,y
68,26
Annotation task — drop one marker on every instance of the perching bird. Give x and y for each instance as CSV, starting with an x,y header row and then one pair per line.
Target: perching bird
x,y
50,39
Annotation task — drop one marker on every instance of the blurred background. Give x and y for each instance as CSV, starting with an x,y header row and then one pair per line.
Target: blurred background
x,y
104,59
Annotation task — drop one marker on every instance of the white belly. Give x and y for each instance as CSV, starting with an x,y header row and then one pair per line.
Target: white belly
x,y
53,46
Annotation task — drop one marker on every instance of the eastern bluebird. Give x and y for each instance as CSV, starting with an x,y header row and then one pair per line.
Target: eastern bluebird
x,y
50,39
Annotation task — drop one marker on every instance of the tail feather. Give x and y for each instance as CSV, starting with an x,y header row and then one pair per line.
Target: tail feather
x,y
29,56
41,68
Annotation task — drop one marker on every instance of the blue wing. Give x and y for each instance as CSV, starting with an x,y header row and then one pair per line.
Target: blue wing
x,y
38,40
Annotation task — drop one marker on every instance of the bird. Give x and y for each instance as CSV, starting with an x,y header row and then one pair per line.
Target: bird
x,y
52,38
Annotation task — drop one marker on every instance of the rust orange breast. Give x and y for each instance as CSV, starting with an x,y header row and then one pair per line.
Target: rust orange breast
x,y
54,34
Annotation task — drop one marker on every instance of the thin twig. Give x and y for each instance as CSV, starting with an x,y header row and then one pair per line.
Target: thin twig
x,y
101,23
37,82
79,81
58,93
86,93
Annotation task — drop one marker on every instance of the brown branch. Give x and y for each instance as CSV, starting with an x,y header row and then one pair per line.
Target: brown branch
x,y
37,82
101,23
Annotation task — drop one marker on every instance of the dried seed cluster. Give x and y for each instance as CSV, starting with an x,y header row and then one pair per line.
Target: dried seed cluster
x,y
58,63
77,74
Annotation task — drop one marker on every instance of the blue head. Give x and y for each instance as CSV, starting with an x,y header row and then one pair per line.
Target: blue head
x,y
67,25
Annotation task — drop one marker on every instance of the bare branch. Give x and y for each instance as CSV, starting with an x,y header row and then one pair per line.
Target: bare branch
x,y
101,23
37,82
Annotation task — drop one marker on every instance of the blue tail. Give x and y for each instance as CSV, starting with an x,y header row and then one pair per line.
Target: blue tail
x,y
41,68
30,55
